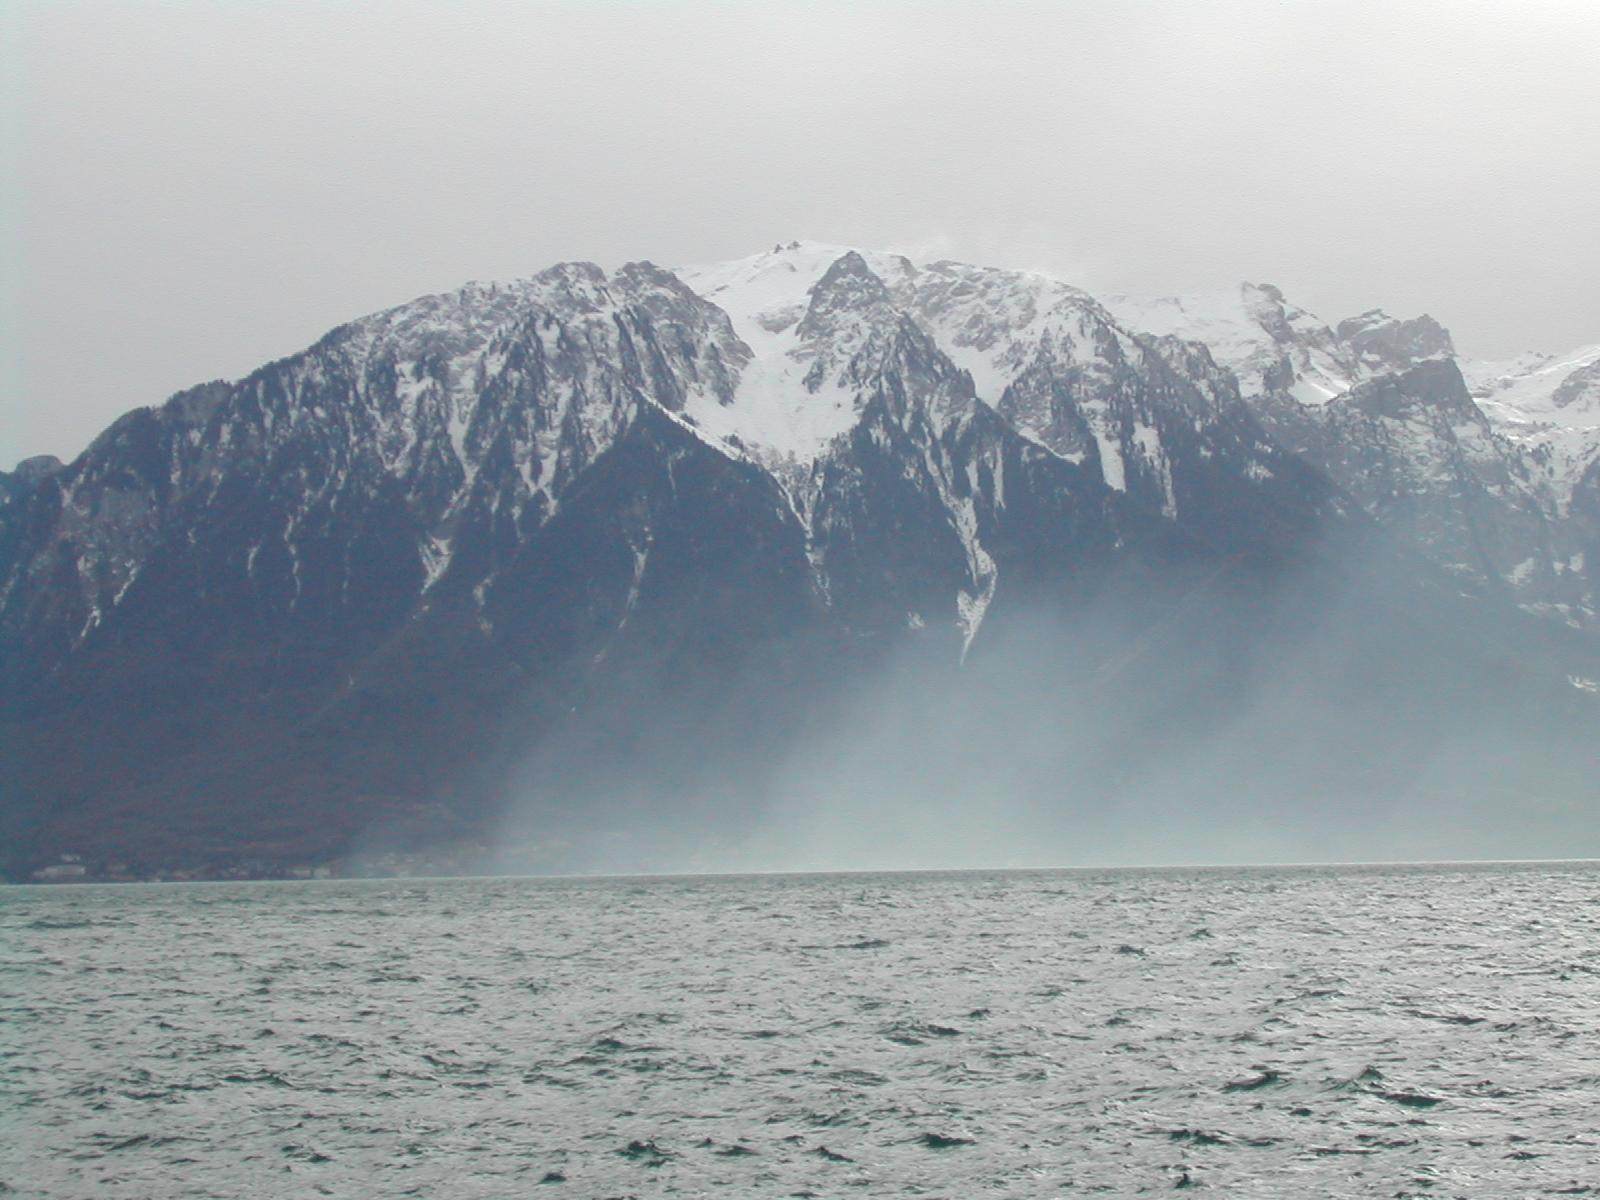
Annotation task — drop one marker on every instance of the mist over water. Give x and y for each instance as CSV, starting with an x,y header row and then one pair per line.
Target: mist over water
x,y
1330,714
1329,1032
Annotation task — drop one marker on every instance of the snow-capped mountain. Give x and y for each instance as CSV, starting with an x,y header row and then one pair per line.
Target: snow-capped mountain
x,y
541,540
1043,354
1482,466
1550,407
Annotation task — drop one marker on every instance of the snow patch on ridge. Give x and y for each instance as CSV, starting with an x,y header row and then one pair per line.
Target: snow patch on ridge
x,y
774,411
1250,330
1550,407
971,606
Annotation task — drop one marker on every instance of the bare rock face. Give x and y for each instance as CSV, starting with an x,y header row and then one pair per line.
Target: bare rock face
x,y
1416,452
30,470
1383,343
1581,389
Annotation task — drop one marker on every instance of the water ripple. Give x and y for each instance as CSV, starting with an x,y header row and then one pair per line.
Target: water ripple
x,y
1317,1031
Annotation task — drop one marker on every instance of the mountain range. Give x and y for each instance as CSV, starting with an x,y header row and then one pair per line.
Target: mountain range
x,y
816,557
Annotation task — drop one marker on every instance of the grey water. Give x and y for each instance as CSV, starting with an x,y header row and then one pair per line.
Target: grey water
x,y
1338,1031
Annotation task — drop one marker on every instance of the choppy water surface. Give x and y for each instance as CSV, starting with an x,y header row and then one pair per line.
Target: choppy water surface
x,y
1316,1032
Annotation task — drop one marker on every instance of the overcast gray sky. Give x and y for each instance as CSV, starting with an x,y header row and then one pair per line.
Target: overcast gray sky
x,y
192,189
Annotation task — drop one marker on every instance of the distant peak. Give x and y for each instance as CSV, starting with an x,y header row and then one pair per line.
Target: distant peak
x,y
850,270
583,283
579,270
1382,339
32,469
645,273
1371,318
849,291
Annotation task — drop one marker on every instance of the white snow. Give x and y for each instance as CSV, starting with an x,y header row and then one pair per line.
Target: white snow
x,y
765,297
993,324
772,411
971,606
1519,398
1233,325
435,552
787,424
1110,457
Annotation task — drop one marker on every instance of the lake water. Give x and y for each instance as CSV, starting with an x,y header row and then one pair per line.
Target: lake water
x,y
1378,1031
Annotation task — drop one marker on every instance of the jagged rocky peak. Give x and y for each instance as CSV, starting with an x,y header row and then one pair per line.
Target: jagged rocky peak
x,y
581,285
848,284
446,325
1483,486
865,333
443,325
25,477
457,411
1283,321
1383,342
770,292
1421,456
692,334
1303,340
1272,345
1581,389
646,283
823,325
1431,383
484,403
1050,359
995,323
847,305
478,340
1278,349
31,470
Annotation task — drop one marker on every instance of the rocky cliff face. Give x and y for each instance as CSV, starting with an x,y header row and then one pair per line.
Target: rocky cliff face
x,y
1474,464
531,544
